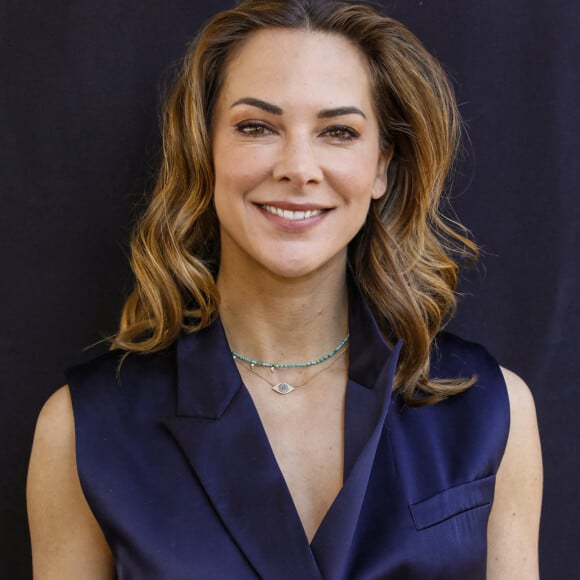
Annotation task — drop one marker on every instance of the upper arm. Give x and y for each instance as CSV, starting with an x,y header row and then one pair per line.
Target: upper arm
x,y
515,516
67,542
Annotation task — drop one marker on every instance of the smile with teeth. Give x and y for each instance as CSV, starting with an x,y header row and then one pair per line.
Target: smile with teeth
x,y
292,215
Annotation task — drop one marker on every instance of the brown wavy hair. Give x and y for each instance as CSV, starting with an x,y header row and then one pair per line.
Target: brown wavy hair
x,y
405,257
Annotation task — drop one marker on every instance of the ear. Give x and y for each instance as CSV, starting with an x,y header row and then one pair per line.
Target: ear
x,y
380,184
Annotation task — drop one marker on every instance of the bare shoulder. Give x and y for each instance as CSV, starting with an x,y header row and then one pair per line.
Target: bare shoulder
x,y
515,517
53,449
521,399
66,539
55,423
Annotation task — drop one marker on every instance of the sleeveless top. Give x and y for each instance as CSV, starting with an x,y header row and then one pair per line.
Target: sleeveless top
x,y
176,467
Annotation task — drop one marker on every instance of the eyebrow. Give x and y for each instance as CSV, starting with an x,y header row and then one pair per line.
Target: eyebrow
x,y
275,110
268,107
339,112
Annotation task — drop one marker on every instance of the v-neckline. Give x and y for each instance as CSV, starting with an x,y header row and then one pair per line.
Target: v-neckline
x,y
278,446
220,432
359,402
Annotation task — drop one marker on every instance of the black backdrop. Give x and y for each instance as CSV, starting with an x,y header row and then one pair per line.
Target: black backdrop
x,y
80,87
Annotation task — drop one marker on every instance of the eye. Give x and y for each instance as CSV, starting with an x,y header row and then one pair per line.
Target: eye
x,y
253,128
341,133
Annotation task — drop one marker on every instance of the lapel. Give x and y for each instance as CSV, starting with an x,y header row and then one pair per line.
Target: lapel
x,y
371,371
219,431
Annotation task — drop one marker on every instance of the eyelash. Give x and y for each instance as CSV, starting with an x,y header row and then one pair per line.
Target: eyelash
x,y
347,133
253,129
258,129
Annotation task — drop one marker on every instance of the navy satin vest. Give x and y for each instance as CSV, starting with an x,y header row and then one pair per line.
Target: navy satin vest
x,y
177,469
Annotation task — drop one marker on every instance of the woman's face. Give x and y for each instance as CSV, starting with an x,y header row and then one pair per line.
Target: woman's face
x,y
296,152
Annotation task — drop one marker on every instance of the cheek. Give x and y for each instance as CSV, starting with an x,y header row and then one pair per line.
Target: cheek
x,y
238,171
355,178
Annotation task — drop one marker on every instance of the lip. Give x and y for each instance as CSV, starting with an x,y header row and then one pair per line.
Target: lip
x,y
301,220
291,206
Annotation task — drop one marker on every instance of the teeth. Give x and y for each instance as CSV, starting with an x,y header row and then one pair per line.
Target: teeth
x,y
292,215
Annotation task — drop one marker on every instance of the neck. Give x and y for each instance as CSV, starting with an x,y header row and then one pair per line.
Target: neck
x,y
281,320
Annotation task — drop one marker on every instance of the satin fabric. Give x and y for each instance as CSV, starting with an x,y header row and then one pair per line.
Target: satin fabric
x,y
177,468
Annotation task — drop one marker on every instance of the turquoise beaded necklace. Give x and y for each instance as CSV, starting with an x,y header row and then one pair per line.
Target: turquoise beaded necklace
x,y
310,363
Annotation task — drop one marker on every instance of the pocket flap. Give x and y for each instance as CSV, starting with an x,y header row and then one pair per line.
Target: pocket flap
x,y
450,502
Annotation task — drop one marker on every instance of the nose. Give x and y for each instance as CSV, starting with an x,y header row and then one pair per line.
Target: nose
x,y
297,162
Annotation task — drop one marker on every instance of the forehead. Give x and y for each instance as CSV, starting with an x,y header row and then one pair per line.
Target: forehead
x,y
286,64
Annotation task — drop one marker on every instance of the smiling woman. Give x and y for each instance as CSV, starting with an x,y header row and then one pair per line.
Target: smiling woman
x,y
307,140
299,413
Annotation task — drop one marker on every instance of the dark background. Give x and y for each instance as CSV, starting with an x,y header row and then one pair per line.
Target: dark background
x,y
80,86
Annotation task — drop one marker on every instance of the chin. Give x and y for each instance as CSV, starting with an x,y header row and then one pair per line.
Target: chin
x,y
300,269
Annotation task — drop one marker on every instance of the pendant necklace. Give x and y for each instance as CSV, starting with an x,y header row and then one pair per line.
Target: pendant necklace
x,y
283,388
286,388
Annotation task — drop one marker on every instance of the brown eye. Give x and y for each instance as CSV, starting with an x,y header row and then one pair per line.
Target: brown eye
x,y
341,133
253,129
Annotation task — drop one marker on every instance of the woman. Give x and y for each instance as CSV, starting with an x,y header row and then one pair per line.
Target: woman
x,y
281,402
